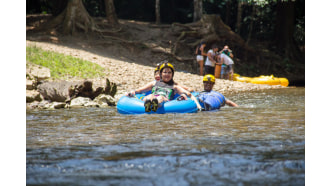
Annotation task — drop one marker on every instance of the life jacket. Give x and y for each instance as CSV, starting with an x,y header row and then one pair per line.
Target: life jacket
x,y
213,99
163,89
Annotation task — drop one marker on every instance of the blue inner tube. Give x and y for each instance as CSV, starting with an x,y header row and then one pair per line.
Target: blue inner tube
x,y
135,105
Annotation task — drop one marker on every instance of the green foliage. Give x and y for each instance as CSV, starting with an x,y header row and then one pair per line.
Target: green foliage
x,y
95,8
288,66
299,33
62,66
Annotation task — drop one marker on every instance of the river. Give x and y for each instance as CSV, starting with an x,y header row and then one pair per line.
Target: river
x,y
262,142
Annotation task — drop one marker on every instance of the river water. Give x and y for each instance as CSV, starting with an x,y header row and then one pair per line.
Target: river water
x,y
260,143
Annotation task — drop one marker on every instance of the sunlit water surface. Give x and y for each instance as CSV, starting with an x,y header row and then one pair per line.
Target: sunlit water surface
x,y
260,143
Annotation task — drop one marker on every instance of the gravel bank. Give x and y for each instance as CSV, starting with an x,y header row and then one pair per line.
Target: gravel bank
x,y
130,76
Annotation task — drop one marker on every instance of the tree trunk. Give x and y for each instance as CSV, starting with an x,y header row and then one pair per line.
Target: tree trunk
x,y
253,14
284,31
157,11
111,12
228,11
198,10
239,16
73,19
58,7
76,16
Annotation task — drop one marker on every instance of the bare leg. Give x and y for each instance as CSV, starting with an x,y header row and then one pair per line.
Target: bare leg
x,y
231,76
150,97
161,99
201,66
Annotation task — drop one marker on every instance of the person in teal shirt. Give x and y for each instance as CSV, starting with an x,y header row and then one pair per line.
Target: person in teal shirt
x,y
226,60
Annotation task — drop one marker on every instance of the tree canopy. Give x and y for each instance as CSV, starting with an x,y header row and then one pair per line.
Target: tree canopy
x,y
263,13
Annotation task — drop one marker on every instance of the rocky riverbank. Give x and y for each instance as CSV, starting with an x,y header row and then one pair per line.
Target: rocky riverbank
x,y
126,75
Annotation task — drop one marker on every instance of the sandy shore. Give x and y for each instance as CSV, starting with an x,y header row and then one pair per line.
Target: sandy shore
x,y
130,76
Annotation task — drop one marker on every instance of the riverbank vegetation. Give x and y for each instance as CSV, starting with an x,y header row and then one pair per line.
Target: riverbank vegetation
x,y
63,66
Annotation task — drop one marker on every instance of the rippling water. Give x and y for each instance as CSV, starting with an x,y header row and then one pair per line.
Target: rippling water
x,y
260,143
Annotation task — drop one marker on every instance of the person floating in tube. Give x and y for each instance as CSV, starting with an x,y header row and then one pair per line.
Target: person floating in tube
x,y
212,100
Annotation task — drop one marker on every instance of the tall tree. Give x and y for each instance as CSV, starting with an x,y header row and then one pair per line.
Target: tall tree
x,y
198,10
157,8
111,12
284,30
72,19
252,18
75,18
228,10
239,16
58,7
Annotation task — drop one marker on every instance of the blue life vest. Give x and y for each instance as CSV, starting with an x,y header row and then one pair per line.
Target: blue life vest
x,y
212,100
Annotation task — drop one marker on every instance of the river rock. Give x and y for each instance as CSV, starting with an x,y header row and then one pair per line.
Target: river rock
x,y
37,72
79,102
105,100
44,104
52,105
32,95
56,91
29,85
57,105
65,91
33,105
92,104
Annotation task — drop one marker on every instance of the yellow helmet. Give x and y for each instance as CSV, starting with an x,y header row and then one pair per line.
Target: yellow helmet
x,y
209,77
166,64
157,68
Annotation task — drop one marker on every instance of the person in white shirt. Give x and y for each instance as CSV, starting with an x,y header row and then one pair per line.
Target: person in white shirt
x,y
227,70
210,60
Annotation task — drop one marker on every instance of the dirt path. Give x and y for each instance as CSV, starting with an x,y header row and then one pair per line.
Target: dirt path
x,y
130,76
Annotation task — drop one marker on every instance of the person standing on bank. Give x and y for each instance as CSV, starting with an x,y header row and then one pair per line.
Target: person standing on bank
x,y
210,60
200,56
227,69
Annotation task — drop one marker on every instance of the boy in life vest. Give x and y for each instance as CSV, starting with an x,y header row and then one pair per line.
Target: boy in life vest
x,y
211,99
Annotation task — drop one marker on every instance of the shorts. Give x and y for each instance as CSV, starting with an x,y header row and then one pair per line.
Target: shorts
x,y
199,58
209,70
227,69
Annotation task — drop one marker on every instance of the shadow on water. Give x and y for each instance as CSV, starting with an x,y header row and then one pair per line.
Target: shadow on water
x,y
261,142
